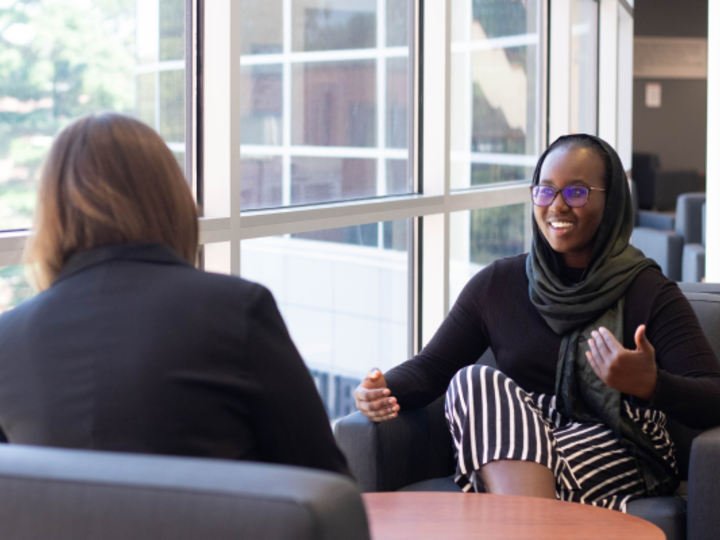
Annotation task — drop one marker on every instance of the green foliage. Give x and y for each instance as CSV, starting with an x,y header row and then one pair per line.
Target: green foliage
x,y
59,60
14,288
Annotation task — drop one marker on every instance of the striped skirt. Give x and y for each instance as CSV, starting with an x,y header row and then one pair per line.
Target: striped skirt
x,y
492,418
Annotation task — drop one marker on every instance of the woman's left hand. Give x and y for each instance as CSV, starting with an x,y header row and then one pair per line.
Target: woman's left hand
x,y
630,372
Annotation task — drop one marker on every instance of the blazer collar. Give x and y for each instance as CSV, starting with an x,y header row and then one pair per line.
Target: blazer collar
x,y
150,253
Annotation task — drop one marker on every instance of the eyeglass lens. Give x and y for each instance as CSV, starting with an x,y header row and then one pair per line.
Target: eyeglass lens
x,y
574,195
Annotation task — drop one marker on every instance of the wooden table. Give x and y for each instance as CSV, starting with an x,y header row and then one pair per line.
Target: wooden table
x,y
459,516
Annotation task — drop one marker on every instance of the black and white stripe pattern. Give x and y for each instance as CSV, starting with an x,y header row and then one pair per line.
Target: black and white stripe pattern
x,y
492,418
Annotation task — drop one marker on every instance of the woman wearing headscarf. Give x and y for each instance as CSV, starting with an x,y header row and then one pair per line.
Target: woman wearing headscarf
x,y
594,348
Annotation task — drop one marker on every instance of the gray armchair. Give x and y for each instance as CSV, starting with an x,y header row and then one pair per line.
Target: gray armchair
x,y
414,452
666,246
54,494
693,259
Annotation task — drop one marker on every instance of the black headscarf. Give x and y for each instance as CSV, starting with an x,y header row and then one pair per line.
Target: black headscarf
x,y
574,310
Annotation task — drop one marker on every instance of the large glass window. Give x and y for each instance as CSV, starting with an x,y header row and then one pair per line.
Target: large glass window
x,y
326,104
495,91
343,294
479,237
63,59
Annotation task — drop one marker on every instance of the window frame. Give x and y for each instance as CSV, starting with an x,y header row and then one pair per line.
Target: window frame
x,y
212,143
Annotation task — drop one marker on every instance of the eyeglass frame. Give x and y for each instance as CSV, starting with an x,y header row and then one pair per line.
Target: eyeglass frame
x,y
561,190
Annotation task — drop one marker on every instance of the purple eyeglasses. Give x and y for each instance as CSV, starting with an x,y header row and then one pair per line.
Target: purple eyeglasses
x,y
574,196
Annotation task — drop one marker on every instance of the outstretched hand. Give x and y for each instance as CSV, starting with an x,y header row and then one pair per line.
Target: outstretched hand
x,y
372,398
630,372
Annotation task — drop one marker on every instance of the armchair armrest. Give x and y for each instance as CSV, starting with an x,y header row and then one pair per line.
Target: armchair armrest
x,y
693,263
54,493
665,247
387,456
704,486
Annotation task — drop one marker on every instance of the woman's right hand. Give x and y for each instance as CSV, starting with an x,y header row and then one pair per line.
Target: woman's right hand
x,y
372,398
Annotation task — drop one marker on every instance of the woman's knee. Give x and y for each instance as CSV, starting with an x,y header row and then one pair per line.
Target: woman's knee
x,y
474,376
477,372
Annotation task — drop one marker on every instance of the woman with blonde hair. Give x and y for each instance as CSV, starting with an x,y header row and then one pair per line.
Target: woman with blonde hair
x,y
128,347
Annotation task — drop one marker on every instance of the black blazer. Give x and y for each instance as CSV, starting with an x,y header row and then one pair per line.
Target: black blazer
x,y
132,349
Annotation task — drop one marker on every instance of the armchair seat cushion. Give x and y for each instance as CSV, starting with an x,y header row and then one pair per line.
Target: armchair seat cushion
x,y
668,513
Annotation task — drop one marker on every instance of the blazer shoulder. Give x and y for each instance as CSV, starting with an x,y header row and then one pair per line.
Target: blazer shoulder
x,y
236,287
17,318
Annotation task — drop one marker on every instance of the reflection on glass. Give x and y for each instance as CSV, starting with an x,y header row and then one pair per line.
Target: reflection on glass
x,y
261,104
334,104
172,29
502,18
172,105
398,177
359,235
479,237
495,85
583,66
328,25
14,287
61,60
397,114
483,173
332,97
332,179
262,26
261,185
146,98
398,20
501,99
345,303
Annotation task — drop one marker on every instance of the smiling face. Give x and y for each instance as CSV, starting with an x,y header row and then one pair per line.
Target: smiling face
x,y
571,231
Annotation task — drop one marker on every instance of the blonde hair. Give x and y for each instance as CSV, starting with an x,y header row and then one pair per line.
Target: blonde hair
x,y
108,179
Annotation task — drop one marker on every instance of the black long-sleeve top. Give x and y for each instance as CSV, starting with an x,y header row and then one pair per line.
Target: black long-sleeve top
x,y
494,310
132,349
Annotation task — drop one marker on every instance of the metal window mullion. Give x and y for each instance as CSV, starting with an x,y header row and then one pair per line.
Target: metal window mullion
x,y
340,55
164,65
435,163
157,102
608,72
413,138
12,246
301,219
326,151
190,91
469,90
542,94
381,99
559,70
235,30
287,104
447,79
